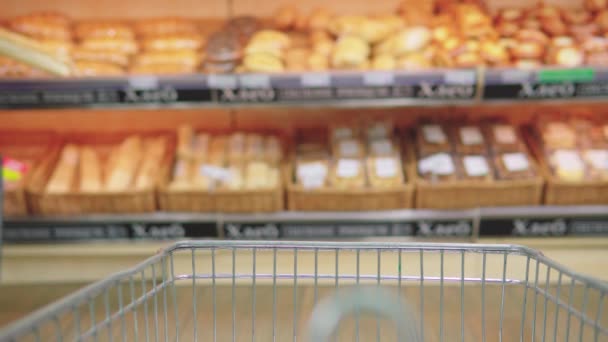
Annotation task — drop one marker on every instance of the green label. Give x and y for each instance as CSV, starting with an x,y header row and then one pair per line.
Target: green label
x,y
566,75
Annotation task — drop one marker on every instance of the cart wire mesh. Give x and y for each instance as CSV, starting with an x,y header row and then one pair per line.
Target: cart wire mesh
x,y
278,291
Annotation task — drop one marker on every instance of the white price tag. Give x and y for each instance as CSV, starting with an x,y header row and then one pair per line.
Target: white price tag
x,y
476,166
348,168
378,78
222,81
315,80
381,147
439,164
255,81
312,170
143,82
461,77
515,162
386,167
349,148
434,134
505,134
215,172
471,135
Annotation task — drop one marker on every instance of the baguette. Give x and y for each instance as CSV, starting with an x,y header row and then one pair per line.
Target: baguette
x,y
152,158
62,179
127,159
90,170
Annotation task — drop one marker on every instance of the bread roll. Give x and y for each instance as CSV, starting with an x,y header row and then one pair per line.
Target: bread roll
x,y
90,170
63,176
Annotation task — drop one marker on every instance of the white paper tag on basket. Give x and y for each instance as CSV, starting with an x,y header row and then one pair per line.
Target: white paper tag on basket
x,y
515,162
568,160
439,164
505,134
378,130
597,158
348,168
381,147
476,166
434,134
386,167
471,135
349,148
340,133
216,172
311,170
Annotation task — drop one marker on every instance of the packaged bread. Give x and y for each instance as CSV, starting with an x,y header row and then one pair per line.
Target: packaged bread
x,y
476,167
567,165
514,165
504,137
42,25
103,29
385,172
153,153
63,177
348,173
432,138
469,139
90,170
261,175
121,45
438,167
165,26
597,163
111,57
124,163
348,148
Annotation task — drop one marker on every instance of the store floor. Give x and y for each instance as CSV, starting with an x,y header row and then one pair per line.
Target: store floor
x,y
540,320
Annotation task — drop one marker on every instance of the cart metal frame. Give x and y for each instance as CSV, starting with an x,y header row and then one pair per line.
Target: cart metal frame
x,y
561,290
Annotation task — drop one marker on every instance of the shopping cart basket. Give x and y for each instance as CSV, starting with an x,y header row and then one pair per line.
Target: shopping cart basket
x,y
288,291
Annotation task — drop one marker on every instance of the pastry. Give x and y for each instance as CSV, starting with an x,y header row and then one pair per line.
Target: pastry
x,y
154,27
187,58
124,46
262,62
244,27
223,47
173,42
557,134
103,29
111,57
528,50
285,17
319,19
597,163
567,165
567,56
576,16
384,62
88,69
595,5
42,25
260,175
350,52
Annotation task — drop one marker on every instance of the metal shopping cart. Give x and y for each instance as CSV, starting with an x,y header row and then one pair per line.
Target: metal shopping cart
x,y
288,291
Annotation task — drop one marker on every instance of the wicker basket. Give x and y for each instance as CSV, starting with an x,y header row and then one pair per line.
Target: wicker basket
x,y
36,146
363,199
218,200
84,203
470,194
559,192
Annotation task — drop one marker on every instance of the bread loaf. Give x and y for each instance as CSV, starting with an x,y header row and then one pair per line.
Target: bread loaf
x,y
126,160
90,170
153,153
62,179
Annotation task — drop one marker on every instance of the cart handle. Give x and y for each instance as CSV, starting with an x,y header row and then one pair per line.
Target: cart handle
x,y
327,315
